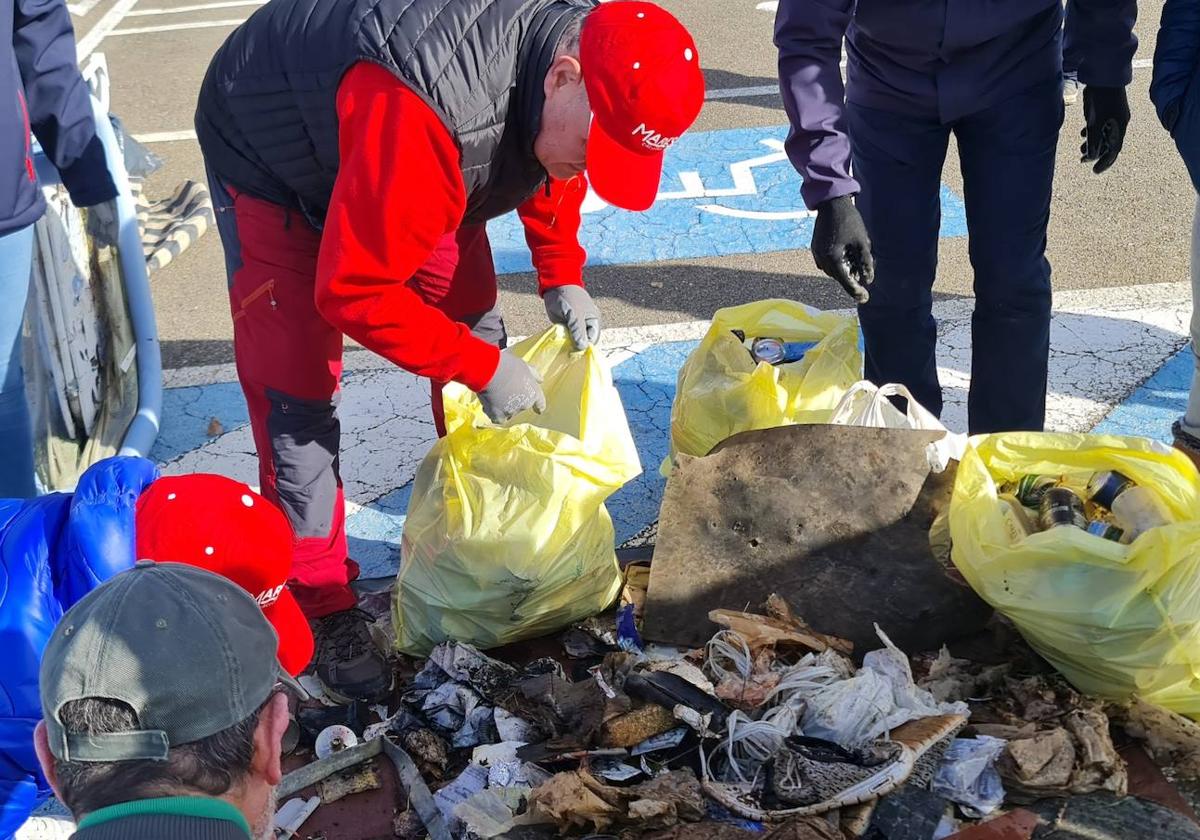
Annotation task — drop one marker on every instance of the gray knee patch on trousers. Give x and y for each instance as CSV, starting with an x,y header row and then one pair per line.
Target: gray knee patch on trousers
x,y
305,435
489,327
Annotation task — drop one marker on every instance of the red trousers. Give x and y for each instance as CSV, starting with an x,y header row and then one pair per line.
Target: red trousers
x,y
289,363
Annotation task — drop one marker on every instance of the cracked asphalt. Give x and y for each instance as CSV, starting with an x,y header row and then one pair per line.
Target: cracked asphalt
x,y
1128,227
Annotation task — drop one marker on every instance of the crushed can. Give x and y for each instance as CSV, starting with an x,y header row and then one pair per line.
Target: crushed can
x,y
1031,488
776,351
1062,506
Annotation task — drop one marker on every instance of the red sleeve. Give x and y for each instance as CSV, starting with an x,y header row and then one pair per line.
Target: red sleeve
x,y
551,219
398,191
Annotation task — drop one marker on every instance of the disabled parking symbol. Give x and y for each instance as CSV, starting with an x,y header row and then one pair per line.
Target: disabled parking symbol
x,y
722,192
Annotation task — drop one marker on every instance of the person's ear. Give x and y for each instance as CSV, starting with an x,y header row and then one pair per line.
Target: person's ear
x,y
41,745
267,762
564,70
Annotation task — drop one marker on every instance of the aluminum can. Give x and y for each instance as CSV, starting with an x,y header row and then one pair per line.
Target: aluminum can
x,y
1062,506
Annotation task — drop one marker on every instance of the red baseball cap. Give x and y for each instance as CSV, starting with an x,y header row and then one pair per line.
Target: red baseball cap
x,y
222,526
645,87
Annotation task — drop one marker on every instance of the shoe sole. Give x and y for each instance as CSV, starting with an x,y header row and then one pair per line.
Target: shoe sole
x,y
894,775
923,734
344,700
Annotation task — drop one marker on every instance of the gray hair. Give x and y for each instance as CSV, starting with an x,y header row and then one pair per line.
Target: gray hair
x,y
210,766
568,41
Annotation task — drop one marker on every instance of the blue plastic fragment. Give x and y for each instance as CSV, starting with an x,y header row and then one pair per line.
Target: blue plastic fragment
x,y
716,813
628,637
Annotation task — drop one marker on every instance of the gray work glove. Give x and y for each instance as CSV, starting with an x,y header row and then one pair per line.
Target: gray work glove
x,y
102,223
514,387
574,308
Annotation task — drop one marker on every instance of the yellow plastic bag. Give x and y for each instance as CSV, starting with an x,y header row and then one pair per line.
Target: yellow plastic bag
x,y
507,536
722,391
1115,620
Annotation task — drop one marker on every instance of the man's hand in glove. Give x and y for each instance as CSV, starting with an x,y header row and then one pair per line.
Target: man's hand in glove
x,y
574,308
841,247
102,223
1105,116
514,387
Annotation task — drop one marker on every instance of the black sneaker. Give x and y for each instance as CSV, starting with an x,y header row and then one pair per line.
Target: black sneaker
x,y
1186,443
348,664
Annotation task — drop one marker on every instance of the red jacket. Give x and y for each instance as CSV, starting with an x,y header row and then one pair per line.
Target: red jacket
x,y
399,190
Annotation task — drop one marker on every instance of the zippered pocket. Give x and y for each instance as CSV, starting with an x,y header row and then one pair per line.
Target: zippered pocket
x,y
29,170
267,289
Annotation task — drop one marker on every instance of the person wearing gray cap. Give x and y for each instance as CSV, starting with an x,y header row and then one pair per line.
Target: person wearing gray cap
x,y
163,715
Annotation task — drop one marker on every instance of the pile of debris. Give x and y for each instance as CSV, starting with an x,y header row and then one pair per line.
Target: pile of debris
x,y
770,730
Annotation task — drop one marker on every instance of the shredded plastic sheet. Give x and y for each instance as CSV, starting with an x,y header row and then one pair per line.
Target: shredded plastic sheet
x,y
968,777
821,697
855,711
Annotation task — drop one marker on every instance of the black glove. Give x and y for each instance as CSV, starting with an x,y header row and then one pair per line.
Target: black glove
x,y
841,247
1105,116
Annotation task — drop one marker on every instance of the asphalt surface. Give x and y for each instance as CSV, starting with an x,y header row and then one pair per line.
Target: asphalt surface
x,y
1130,226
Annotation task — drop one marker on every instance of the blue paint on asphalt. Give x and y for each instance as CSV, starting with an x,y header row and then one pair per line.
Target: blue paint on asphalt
x,y
646,384
186,413
1152,408
373,534
692,219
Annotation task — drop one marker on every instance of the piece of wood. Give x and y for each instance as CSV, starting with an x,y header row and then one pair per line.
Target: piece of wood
x,y
310,774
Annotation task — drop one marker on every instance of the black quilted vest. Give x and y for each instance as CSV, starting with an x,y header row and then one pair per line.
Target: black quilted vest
x,y
267,120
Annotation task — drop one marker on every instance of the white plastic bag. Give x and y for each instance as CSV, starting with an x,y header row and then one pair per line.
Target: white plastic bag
x,y
876,700
867,404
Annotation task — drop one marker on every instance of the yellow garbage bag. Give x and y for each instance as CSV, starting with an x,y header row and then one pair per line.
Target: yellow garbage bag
x,y
507,536
721,390
1115,620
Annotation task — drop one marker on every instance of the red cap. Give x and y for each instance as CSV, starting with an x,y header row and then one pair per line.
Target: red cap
x,y
645,88
222,526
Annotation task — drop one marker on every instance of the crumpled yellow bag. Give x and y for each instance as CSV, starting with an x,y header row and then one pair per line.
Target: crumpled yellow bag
x,y
507,536
1115,620
721,391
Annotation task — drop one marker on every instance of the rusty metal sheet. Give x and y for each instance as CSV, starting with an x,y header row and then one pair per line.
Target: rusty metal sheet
x,y
833,518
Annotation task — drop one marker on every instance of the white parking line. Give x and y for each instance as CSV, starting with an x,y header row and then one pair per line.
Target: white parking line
x,y
166,136
738,93
174,27
203,7
81,9
103,28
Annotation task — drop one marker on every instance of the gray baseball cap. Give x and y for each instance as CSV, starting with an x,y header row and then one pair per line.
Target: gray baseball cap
x,y
188,650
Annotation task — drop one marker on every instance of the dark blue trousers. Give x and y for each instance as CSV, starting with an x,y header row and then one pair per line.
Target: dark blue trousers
x,y
1007,154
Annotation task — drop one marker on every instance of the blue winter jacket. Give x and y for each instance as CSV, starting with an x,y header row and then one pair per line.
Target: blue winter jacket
x,y
1173,87
42,91
53,551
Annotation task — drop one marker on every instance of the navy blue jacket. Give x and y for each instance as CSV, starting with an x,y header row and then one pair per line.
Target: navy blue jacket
x,y
936,59
53,551
1173,88
41,90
